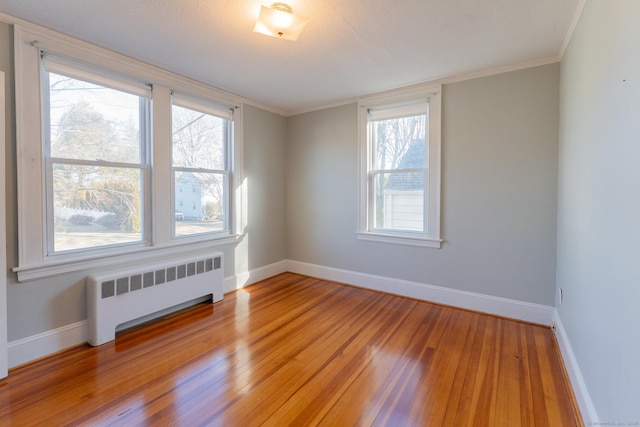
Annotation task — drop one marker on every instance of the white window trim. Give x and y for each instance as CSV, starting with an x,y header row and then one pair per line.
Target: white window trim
x,y
59,65
34,263
432,237
207,107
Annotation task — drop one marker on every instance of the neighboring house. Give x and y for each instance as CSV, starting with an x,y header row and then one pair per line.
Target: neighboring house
x,y
404,193
188,197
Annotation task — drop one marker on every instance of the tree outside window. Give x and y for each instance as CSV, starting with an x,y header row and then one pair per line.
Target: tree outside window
x,y
95,164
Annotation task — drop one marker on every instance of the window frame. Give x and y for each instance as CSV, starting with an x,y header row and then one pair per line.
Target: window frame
x,y
62,66
33,259
397,99
207,107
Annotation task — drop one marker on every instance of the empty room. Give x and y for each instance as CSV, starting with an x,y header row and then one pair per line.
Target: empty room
x,y
236,213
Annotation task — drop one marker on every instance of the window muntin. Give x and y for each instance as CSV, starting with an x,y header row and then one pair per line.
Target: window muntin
x,y
95,160
201,141
400,167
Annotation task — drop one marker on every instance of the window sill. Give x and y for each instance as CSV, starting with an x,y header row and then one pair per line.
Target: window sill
x,y
58,267
398,239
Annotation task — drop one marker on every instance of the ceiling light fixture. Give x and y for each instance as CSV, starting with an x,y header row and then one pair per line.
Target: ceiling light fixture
x,y
279,21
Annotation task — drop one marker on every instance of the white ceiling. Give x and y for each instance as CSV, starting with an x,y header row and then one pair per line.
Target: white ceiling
x,y
348,49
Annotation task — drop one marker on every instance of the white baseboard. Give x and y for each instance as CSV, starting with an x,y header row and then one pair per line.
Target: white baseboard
x,y
37,346
34,347
514,309
250,277
587,409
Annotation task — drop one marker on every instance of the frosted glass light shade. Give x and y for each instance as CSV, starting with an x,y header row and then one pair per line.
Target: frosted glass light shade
x,y
278,21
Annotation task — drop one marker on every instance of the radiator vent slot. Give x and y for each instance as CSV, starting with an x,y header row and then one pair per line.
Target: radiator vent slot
x,y
159,277
121,296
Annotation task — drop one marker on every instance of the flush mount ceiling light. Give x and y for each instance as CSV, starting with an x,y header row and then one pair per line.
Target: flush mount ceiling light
x,y
279,21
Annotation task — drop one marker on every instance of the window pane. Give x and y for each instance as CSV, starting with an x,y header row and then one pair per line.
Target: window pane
x,y
399,201
92,122
95,206
200,203
399,143
198,139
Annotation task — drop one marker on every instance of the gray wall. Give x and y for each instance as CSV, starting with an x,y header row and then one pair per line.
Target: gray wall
x,y
500,151
42,305
500,142
599,205
264,169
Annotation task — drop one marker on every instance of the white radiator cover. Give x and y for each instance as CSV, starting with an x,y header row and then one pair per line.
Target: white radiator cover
x,y
119,296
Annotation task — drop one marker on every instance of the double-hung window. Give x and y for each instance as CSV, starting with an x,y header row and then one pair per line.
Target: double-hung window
x,y
118,160
95,151
201,162
400,168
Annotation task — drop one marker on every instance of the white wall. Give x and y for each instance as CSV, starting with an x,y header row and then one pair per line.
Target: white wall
x,y
499,162
599,207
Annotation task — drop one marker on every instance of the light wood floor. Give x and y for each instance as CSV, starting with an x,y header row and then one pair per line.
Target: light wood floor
x,y
298,351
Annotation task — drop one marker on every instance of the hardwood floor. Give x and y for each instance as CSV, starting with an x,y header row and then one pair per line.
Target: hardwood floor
x,y
298,351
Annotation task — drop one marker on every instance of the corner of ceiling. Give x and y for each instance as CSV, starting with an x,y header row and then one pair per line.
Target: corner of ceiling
x,y
572,28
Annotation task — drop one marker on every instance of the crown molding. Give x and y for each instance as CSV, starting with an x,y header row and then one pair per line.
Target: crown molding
x,y
572,28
